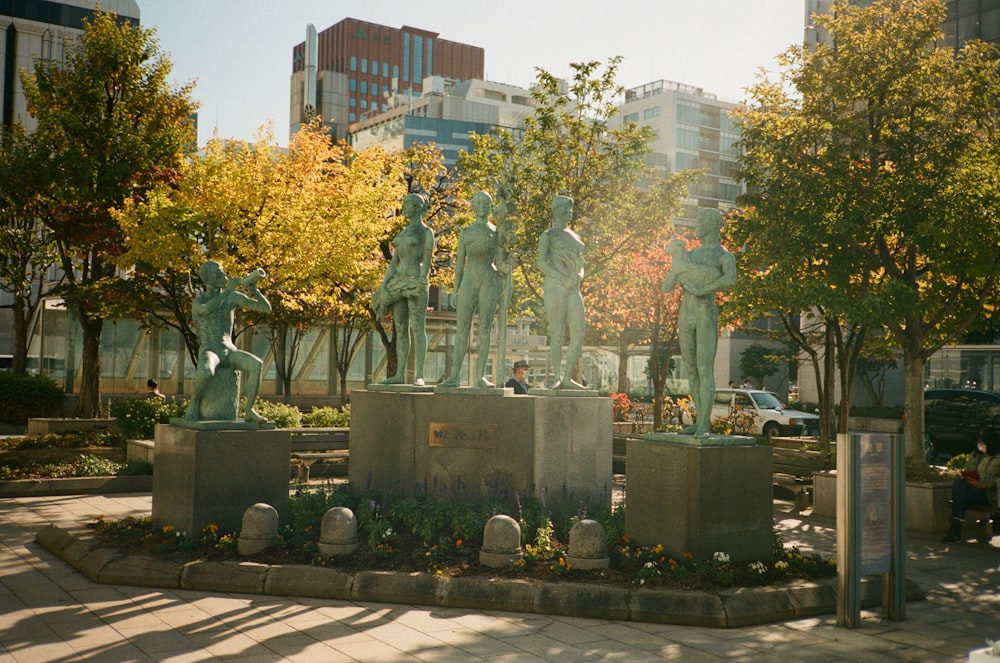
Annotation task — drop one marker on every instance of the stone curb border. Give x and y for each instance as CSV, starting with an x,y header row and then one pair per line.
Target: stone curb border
x,y
726,609
138,483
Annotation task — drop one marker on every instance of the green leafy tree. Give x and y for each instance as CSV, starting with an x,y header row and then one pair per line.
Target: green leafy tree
x,y
871,163
27,250
569,148
109,125
759,361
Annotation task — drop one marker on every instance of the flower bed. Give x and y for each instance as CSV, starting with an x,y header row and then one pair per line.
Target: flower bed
x,y
443,538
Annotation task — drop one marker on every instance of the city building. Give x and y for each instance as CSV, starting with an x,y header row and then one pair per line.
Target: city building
x,y
693,131
39,30
352,68
445,113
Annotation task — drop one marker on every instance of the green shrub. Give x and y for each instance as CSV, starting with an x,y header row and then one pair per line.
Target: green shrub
x,y
328,417
137,417
282,414
26,396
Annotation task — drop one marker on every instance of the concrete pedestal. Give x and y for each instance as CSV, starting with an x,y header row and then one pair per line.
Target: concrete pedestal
x,y
467,444
700,496
211,477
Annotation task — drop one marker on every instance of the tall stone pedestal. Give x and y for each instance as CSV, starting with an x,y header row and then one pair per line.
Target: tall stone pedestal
x,y
557,449
204,477
700,496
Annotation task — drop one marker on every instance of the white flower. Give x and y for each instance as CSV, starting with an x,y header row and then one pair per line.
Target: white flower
x,y
758,567
649,565
721,558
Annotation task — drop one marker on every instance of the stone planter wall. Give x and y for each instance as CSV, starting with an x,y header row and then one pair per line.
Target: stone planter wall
x,y
928,504
42,426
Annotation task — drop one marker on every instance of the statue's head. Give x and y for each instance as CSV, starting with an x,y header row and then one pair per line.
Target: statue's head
x,y
562,209
481,202
708,222
414,204
211,273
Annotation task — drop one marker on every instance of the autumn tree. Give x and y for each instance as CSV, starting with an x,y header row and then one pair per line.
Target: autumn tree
x,y
312,217
871,163
626,306
26,247
109,124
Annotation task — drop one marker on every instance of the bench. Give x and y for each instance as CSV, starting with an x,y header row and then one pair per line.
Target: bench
x,y
794,469
310,445
985,516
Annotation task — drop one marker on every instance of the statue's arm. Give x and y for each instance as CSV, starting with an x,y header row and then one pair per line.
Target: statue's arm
x,y
722,283
669,281
256,303
425,262
542,258
459,265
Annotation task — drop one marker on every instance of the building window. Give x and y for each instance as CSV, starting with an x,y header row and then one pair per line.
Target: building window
x,y
364,65
385,70
418,58
352,117
385,107
406,57
353,85
687,160
364,87
395,73
688,112
364,104
374,67
688,138
651,112
354,63
631,117
352,102
430,56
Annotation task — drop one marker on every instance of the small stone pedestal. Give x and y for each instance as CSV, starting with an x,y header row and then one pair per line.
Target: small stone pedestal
x,y
204,477
700,495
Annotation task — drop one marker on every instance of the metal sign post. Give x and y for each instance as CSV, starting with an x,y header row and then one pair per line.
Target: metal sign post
x,y
870,522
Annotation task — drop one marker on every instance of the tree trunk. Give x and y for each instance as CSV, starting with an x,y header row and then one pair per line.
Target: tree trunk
x,y
623,355
913,406
19,364
88,406
827,409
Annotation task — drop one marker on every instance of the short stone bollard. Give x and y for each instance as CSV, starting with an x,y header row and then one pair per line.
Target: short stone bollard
x,y
588,546
258,530
338,533
501,542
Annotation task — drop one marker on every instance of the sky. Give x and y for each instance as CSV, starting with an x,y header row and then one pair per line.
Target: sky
x,y
239,52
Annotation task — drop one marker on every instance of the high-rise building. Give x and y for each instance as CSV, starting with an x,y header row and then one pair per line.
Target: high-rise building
x,y
351,69
965,20
693,131
39,30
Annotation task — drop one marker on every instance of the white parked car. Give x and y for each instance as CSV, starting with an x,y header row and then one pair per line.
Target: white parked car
x,y
758,412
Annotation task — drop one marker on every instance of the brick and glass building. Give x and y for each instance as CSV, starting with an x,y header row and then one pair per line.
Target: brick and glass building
x,y
350,70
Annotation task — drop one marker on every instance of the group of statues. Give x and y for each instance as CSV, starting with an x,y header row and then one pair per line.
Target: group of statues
x,y
700,272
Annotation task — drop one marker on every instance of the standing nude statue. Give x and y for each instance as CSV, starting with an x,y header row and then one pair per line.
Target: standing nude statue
x,y
213,315
477,289
560,259
404,289
701,273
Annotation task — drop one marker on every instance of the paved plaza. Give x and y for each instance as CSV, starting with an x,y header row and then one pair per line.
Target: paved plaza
x,y
50,612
